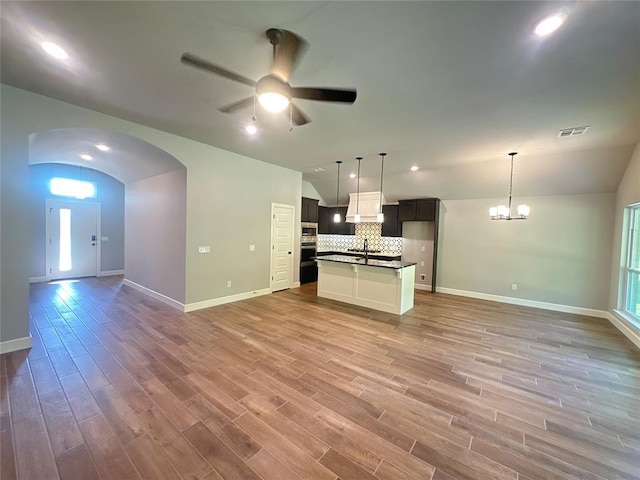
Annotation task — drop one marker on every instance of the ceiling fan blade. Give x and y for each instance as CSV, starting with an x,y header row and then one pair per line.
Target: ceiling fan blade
x,y
197,62
324,94
232,107
298,118
288,49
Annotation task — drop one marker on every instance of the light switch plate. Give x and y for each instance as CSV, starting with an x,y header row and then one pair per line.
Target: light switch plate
x,y
104,238
204,249
252,248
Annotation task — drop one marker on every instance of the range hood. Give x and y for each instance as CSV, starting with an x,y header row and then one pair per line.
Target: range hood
x,y
369,206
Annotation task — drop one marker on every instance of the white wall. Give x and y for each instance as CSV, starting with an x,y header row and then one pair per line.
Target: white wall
x,y
228,200
155,220
309,191
559,255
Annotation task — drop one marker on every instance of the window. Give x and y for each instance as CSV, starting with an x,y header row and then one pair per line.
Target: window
x,y
67,187
632,290
65,240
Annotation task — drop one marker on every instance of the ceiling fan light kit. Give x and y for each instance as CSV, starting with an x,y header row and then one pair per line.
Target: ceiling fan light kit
x,y
273,91
503,212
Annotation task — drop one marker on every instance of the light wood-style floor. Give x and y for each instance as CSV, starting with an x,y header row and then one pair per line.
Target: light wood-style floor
x,y
289,386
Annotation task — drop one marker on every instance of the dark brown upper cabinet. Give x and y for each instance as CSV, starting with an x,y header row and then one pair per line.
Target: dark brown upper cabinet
x,y
309,210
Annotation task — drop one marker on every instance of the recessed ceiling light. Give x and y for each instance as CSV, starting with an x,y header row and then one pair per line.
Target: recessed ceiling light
x,y
102,147
549,24
54,50
251,129
352,175
86,156
414,168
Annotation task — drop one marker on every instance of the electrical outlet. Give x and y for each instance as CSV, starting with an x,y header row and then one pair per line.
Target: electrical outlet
x,y
252,248
228,283
514,286
204,249
422,263
423,248
423,277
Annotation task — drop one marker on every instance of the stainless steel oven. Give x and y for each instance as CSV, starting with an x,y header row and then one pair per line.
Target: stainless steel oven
x,y
308,234
308,243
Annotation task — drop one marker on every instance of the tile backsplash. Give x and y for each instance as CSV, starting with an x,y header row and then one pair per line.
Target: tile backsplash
x,y
371,231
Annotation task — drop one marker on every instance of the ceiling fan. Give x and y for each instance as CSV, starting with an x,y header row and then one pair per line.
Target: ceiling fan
x,y
273,91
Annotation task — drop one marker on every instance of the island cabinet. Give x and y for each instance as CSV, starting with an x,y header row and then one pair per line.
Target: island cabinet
x,y
378,284
309,210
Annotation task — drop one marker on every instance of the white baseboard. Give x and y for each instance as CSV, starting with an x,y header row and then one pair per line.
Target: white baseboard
x,y
38,279
158,296
190,307
109,273
295,285
628,329
421,286
527,303
16,344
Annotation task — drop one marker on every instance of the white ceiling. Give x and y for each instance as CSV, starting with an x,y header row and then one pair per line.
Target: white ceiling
x,y
450,86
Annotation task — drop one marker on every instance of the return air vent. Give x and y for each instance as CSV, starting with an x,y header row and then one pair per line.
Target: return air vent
x,y
572,132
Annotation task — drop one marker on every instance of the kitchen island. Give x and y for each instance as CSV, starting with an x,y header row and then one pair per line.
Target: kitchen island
x,y
385,285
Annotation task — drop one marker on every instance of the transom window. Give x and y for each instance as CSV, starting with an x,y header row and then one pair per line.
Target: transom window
x,y
68,187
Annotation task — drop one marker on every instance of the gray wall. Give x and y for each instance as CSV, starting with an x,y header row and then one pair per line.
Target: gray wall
x,y
14,193
559,255
229,200
415,236
156,233
628,194
110,195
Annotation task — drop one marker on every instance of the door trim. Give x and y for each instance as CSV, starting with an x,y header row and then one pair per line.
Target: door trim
x,y
49,202
293,244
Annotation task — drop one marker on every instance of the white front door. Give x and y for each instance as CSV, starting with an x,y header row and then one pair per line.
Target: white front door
x,y
72,249
281,246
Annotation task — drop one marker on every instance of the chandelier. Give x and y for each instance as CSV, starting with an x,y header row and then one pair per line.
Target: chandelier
x,y
502,212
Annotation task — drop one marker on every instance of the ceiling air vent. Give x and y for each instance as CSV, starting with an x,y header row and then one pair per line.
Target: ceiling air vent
x,y
572,132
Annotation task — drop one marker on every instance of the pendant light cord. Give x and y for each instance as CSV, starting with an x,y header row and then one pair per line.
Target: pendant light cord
x,y
358,188
381,174
513,154
338,187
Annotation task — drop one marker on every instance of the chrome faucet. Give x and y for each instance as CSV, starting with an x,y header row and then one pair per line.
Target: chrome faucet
x,y
366,250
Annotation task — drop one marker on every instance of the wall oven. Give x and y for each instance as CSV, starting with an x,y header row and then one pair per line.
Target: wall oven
x,y
308,243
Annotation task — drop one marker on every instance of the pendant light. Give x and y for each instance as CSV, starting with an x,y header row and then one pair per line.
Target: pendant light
x,y
380,216
336,216
356,217
502,212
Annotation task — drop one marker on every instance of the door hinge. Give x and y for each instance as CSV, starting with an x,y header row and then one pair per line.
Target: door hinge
x,y
51,270
51,210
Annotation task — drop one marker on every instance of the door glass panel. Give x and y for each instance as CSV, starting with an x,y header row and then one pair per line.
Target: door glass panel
x,y
65,240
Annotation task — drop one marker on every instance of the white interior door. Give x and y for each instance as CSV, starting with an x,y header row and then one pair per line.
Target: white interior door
x,y
281,246
73,239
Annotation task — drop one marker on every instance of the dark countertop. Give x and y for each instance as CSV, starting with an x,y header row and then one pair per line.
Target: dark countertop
x,y
395,264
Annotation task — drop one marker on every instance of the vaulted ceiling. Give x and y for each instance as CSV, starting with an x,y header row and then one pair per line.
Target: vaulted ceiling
x,y
450,87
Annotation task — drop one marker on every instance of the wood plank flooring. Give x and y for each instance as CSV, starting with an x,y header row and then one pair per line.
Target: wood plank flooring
x,y
289,386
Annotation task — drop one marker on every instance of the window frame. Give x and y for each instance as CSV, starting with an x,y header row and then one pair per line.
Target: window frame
x,y
633,243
